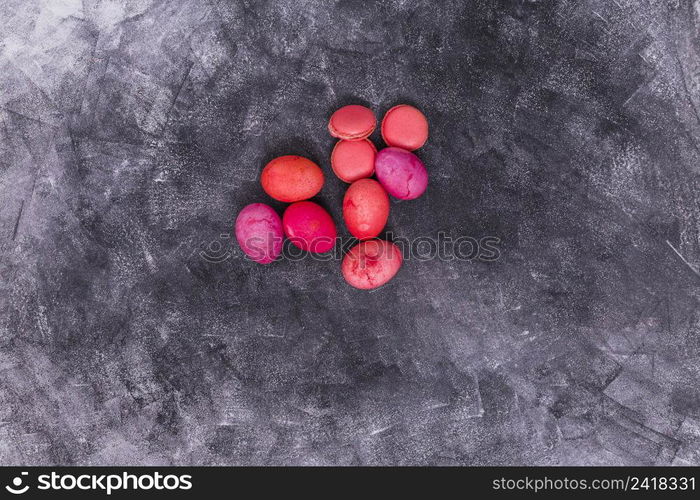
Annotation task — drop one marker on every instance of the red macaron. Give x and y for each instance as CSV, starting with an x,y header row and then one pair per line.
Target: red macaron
x,y
353,160
405,127
352,123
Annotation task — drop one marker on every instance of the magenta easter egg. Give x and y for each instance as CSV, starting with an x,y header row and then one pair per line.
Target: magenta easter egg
x,y
259,232
309,227
401,173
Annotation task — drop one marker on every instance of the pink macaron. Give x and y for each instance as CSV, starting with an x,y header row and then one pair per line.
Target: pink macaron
x,y
352,123
353,160
405,127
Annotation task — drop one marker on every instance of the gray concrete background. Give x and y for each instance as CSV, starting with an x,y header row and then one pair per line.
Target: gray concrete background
x,y
132,132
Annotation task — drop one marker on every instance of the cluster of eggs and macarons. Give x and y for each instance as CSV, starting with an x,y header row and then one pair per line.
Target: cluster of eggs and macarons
x,y
294,179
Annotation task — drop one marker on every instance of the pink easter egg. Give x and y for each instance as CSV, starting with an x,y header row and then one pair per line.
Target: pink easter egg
x,y
401,173
259,232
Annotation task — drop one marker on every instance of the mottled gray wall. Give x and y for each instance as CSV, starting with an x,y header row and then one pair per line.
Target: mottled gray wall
x,y
132,132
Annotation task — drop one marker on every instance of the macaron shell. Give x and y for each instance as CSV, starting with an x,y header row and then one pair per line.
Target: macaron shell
x,y
353,160
309,227
352,122
291,178
405,127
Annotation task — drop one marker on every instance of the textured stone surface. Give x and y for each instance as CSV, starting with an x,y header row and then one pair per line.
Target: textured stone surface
x,y
133,131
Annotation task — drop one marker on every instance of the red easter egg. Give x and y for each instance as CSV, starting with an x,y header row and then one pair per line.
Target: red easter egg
x,y
365,208
371,264
291,178
309,227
